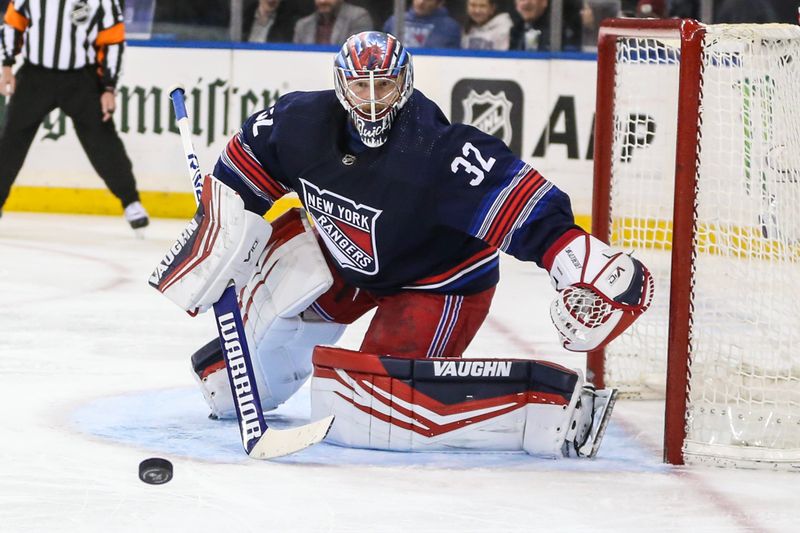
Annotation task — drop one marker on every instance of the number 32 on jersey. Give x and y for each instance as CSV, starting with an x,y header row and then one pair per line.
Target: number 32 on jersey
x,y
479,171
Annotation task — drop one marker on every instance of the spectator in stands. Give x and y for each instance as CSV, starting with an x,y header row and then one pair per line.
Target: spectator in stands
x,y
786,11
572,31
531,30
654,9
331,23
745,11
685,9
268,22
297,9
428,25
592,14
486,29
378,9
191,20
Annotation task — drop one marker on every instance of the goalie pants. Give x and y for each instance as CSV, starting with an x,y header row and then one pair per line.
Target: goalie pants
x,y
77,93
410,323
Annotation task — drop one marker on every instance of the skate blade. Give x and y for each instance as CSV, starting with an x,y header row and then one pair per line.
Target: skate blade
x,y
601,417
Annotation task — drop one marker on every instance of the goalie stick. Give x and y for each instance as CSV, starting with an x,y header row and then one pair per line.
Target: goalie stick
x,y
258,439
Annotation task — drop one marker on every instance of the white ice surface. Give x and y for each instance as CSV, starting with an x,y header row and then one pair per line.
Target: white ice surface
x,y
94,377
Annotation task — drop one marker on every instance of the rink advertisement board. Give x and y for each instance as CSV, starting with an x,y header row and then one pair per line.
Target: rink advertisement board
x,y
543,108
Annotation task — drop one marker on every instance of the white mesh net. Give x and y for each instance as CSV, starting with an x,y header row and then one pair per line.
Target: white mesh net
x,y
744,386
641,201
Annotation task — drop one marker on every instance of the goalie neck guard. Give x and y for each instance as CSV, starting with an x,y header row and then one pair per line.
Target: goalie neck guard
x,y
373,79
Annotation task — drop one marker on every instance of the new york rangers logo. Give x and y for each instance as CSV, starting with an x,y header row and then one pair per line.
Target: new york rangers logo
x,y
347,228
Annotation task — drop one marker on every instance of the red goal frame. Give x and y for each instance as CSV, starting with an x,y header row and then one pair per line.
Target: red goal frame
x,y
691,34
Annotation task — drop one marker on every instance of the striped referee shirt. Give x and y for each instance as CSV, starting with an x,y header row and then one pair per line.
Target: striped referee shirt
x,y
66,35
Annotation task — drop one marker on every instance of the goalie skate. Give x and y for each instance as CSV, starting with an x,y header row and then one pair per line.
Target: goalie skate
x,y
589,423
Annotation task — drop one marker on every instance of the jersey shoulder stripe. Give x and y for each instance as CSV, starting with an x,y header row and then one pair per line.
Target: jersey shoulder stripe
x,y
492,199
534,204
225,165
518,197
515,202
247,166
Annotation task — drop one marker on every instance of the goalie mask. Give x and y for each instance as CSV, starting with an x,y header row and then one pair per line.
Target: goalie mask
x,y
374,78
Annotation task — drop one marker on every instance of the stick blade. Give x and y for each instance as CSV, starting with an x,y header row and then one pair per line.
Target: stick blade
x,y
278,442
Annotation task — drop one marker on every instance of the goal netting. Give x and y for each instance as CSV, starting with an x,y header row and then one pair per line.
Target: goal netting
x,y
699,172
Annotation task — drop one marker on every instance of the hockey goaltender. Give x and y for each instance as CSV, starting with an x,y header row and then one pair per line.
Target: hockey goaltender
x,y
410,213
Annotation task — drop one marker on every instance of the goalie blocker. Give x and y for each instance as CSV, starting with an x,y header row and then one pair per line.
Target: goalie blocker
x,y
403,404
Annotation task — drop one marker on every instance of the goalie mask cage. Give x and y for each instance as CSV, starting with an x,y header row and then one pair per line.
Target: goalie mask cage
x,y
697,169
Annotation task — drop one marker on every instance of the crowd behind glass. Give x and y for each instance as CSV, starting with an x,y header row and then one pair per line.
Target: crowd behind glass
x,y
523,25
466,24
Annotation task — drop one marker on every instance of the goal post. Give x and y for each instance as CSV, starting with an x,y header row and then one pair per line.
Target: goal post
x,y
697,169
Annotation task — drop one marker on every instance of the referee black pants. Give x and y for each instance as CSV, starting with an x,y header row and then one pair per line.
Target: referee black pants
x,y
77,93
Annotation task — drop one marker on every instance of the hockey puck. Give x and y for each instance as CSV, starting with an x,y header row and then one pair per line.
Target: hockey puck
x,y
155,471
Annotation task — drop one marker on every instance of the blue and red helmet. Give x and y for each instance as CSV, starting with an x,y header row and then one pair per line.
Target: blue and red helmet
x,y
374,78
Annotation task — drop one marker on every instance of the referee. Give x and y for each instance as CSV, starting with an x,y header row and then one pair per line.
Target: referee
x,y
73,52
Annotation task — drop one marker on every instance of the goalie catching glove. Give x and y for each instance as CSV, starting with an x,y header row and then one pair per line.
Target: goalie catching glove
x,y
602,290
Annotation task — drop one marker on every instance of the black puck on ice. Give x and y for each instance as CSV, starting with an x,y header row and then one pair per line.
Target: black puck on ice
x,y
155,471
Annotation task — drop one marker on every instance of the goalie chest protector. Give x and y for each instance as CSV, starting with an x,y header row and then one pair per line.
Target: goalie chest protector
x,y
427,210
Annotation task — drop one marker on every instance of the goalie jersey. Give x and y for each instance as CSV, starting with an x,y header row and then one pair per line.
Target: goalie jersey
x,y
428,210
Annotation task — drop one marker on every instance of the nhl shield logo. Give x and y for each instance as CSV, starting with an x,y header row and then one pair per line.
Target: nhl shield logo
x,y
80,12
490,113
495,107
347,228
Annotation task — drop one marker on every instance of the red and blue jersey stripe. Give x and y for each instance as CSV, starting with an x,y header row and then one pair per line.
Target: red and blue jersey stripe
x,y
238,158
511,207
461,274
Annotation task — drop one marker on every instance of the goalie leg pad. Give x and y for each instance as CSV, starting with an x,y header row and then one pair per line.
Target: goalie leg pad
x,y
281,364
290,275
445,404
209,372
220,245
283,357
293,268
